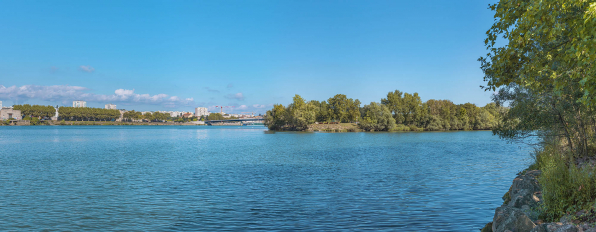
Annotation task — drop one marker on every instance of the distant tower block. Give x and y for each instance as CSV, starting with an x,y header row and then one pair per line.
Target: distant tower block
x,y
79,104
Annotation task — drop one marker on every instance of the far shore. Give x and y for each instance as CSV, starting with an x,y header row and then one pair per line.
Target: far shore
x,y
353,127
104,123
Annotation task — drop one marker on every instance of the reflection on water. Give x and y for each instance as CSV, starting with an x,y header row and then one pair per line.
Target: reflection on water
x,y
238,178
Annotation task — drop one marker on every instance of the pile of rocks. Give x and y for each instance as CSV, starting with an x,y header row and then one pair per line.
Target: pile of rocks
x,y
518,211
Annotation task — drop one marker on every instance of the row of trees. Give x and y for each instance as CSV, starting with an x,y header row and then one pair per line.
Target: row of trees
x,y
398,108
87,114
36,111
153,117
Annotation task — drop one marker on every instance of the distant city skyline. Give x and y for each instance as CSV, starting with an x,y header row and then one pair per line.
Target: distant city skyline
x,y
159,55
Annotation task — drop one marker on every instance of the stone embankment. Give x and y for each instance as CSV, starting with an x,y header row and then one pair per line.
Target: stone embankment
x,y
519,210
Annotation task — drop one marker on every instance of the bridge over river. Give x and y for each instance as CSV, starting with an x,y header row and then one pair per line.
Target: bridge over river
x,y
240,121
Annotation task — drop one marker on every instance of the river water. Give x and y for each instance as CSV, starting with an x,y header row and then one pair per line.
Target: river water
x,y
169,178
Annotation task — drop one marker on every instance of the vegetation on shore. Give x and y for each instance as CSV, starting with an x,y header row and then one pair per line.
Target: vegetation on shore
x,y
546,74
34,113
398,112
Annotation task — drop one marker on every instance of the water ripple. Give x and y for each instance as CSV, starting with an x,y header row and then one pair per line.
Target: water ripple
x,y
241,178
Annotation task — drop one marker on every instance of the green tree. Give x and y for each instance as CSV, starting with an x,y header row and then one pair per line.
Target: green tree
x,y
412,110
338,106
215,116
353,110
276,118
323,114
549,45
301,113
148,116
376,117
394,102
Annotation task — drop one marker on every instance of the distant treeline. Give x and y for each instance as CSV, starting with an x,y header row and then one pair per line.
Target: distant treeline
x,y
136,115
399,111
92,114
87,114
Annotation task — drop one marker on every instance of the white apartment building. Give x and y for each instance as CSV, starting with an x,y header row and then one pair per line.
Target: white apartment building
x,y
79,104
0,105
110,106
201,111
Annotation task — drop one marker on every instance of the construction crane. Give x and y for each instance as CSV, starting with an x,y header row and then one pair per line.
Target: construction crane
x,y
251,113
221,108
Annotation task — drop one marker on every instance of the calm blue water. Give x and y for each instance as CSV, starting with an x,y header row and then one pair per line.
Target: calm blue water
x,y
171,178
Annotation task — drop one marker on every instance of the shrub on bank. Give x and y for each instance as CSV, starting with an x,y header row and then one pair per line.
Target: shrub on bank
x,y
401,127
34,121
566,188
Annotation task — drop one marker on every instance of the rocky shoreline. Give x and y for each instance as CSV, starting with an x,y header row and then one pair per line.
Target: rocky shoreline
x,y
519,210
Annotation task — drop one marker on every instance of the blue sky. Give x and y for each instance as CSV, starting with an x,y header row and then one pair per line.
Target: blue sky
x,y
177,55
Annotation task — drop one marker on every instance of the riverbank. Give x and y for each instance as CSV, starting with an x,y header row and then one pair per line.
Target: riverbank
x,y
522,205
353,127
340,127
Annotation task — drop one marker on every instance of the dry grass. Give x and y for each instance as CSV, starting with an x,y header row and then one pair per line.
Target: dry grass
x,y
342,127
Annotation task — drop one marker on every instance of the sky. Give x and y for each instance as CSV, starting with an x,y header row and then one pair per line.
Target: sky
x,y
178,55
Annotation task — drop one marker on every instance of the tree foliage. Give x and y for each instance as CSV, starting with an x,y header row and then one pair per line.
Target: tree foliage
x,y
37,111
87,114
376,117
215,116
343,109
546,71
406,109
277,118
132,116
297,116
550,44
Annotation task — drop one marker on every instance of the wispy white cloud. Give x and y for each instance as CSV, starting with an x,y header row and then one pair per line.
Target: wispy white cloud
x,y
212,90
237,96
87,68
66,93
257,106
